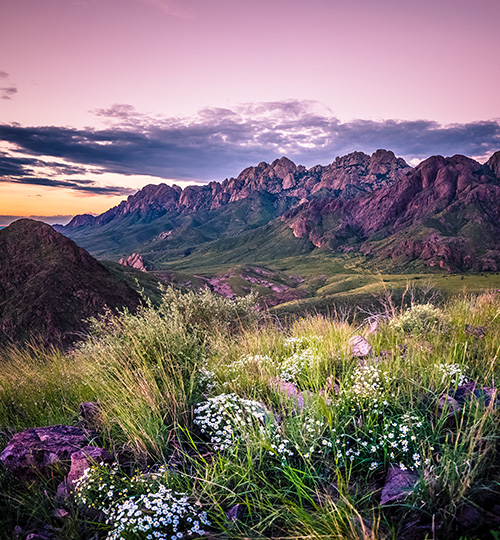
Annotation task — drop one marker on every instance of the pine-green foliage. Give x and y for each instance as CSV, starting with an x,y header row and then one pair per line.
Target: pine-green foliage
x,y
193,388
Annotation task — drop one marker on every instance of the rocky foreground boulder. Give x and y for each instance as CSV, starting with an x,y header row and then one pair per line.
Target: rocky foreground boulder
x,y
37,452
80,461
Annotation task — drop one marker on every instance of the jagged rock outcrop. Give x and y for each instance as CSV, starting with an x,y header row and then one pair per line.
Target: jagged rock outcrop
x,y
446,213
49,285
134,261
346,176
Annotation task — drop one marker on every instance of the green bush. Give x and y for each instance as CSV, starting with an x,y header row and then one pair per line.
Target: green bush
x,y
421,318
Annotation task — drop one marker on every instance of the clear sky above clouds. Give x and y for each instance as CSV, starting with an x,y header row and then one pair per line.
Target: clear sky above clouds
x,y
100,97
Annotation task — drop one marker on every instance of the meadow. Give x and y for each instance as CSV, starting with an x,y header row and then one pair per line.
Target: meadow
x,y
226,422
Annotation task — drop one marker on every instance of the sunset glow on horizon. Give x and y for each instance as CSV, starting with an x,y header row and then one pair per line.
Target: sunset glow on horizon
x,y
101,97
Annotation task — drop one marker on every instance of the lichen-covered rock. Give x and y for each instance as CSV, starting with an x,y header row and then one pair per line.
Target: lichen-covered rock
x,y
37,451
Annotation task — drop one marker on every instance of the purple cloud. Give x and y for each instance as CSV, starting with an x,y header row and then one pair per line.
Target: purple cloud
x,y
218,142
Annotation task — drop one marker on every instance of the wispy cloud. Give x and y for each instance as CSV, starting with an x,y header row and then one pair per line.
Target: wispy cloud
x,y
219,142
7,92
21,170
175,8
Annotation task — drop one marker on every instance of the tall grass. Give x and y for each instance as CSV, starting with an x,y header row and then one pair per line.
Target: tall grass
x,y
149,370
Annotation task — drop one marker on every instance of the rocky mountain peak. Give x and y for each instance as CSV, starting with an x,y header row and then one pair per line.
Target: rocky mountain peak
x,y
288,182
445,212
494,164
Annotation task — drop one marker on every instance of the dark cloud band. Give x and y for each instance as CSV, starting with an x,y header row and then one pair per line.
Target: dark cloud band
x,y
220,142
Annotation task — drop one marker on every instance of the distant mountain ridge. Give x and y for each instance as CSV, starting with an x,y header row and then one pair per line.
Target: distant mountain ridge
x,y
443,213
346,176
162,217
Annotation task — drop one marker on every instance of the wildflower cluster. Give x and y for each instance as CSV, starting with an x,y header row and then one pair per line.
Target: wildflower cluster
x,y
301,342
295,366
280,446
250,360
228,419
312,434
307,434
396,443
452,374
141,507
369,384
420,318
206,379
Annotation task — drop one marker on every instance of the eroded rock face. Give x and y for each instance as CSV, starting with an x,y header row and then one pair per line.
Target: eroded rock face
x,y
134,261
37,451
346,177
428,215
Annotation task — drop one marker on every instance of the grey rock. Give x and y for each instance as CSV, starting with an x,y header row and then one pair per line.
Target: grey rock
x,y
91,413
448,406
477,331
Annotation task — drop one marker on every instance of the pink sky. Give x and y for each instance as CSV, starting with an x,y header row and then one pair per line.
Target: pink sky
x,y
373,60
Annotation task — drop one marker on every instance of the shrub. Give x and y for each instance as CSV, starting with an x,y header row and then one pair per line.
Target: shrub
x,y
421,318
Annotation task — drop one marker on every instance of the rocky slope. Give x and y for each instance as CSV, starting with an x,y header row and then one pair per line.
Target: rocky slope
x,y
162,217
48,285
445,212
347,175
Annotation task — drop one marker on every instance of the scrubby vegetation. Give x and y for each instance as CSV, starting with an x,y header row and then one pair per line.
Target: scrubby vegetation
x,y
227,423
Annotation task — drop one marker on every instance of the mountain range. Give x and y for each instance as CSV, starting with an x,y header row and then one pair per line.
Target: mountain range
x,y
444,213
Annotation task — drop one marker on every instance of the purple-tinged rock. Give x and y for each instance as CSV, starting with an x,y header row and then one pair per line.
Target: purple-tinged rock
x,y
398,485
36,451
360,347
80,461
